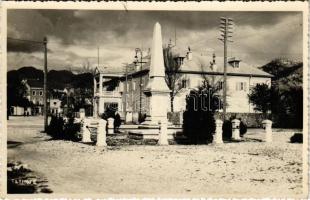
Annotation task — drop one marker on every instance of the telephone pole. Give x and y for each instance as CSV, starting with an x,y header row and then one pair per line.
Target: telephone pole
x,y
138,50
45,85
226,31
126,90
98,57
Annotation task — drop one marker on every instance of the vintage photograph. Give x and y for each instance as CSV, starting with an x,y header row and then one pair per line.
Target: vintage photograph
x,y
156,102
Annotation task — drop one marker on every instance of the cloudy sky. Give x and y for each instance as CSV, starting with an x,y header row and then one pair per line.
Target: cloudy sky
x,y
75,35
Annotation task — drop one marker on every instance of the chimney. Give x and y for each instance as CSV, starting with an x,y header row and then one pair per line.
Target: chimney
x,y
189,54
214,57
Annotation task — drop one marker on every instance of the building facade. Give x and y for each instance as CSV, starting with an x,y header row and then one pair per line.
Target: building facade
x,y
35,95
126,90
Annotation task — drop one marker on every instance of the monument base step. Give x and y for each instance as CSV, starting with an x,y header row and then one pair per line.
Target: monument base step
x,y
150,133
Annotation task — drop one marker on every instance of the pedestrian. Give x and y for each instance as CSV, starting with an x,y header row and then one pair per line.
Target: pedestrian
x,y
117,122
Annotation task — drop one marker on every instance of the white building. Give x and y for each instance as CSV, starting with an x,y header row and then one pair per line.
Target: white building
x,y
125,92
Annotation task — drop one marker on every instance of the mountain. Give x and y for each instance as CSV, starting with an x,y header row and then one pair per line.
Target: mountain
x,y
55,79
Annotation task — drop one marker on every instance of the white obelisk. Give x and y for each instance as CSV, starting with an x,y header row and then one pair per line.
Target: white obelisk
x,y
157,89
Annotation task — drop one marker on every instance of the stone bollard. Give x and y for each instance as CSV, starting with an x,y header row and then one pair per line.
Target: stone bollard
x,y
218,136
235,129
82,113
267,125
163,133
110,125
85,131
101,133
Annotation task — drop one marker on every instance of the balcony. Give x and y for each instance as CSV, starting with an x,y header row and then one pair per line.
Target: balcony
x,y
113,94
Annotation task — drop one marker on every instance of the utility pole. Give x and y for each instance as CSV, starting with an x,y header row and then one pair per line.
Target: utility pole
x,y
138,50
45,85
98,57
226,30
126,90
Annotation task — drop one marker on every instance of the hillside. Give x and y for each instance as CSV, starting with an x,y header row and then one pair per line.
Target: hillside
x,y
55,79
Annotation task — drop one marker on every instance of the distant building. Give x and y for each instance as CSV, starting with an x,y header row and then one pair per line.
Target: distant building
x,y
125,92
35,95
55,106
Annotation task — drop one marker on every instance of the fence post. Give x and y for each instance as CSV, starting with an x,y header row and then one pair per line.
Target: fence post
x,y
101,133
236,129
267,125
163,133
110,125
218,136
85,132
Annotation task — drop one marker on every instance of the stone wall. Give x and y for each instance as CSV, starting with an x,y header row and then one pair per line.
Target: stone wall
x,y
252,120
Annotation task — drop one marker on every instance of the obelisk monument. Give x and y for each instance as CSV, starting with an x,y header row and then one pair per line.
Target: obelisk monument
x,y
157,89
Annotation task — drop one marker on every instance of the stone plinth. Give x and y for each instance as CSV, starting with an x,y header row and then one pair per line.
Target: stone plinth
x,y
101,133
235,129
267,125
110,125
163,133
218,136
85,132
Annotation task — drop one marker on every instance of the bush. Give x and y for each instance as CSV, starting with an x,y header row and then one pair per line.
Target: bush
x,y
57,129
198,123
297,138
227,129
71,130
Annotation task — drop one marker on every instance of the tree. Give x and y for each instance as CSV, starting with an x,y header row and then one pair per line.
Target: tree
x,y
199,122
260,96
286,92
172,66
16,92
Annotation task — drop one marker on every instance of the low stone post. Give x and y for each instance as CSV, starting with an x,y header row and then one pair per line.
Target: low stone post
x,y
235,129
101,133
163,133
82,113
110,125
218,136
85,131
267,125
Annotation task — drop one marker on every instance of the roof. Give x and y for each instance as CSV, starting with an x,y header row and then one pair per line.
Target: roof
x,y
202,63
34,83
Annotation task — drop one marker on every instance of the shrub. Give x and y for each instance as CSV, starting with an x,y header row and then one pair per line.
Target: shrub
x,y
56,127
227,128
71,130
198,122
297,138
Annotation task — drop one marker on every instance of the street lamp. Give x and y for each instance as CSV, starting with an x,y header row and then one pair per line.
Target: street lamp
x,y
139,51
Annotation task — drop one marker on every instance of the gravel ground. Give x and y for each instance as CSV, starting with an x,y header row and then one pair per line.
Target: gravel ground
x,y
250,168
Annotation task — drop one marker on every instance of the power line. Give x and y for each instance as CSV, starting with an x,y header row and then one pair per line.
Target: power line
x,y
23,40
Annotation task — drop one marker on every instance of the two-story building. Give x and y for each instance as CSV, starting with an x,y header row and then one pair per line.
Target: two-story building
x,y
35,95
125,91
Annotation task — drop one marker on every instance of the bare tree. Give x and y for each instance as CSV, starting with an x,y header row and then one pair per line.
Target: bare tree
x,y
172,66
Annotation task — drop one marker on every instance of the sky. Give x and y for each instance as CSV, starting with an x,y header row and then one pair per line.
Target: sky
x,y
74,36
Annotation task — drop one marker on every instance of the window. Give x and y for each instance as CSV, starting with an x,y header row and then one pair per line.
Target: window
x,y
183,83
134,85
236,64
220,85
241,86
33,93
41,93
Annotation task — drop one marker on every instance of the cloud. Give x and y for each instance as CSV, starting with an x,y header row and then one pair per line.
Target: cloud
x,y
75,35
